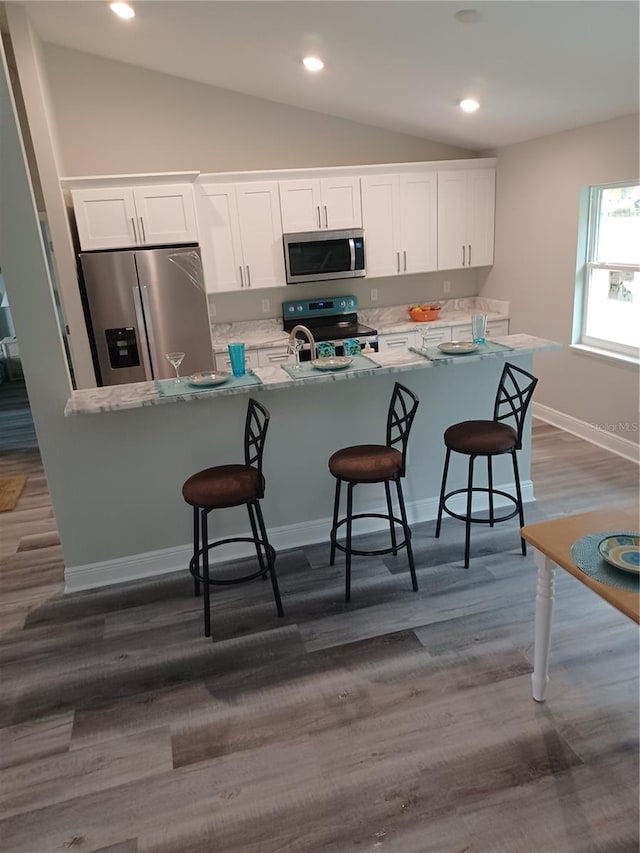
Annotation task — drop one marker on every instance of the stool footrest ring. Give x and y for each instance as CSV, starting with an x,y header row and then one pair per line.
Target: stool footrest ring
x,y
269,551
359,553
474,519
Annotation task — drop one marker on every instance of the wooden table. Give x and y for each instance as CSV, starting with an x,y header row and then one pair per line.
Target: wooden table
x,y
552,541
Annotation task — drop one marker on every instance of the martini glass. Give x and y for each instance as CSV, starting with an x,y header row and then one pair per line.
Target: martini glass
x,y
175,358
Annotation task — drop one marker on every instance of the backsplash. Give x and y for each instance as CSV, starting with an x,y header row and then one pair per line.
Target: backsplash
x,y
395,290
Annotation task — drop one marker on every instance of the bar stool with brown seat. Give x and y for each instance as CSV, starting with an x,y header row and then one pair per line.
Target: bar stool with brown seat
x,y
225,486
489,439
376,463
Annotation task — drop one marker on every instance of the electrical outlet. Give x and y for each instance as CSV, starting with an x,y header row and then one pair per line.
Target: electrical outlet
x,y
212,309
266,306
374,294
446,286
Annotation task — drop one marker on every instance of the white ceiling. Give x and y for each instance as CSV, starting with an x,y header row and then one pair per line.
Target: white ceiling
x,y
536,66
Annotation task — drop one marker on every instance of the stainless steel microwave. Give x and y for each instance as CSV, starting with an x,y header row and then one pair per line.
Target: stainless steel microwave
x,y
324,255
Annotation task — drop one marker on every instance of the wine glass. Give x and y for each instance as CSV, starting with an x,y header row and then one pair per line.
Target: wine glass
x,y
176,360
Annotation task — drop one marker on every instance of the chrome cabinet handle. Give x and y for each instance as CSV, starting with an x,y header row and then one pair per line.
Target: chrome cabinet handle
x,y
405,261
326,218
398,260
469,254
248,276
463,250
135,233
241,277
319,219
144,236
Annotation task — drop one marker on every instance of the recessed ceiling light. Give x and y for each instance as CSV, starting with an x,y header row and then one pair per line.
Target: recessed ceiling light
x,y
123,10
469,105
312,63
467,16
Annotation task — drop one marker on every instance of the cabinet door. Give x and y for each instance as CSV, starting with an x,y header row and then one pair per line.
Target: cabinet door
x,y
106,218
480,216
418,222
341,206
261,233
381,223
452,220
220,243
300,206
166,214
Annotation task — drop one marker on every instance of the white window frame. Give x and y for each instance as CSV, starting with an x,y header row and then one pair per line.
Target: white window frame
x,y
581,339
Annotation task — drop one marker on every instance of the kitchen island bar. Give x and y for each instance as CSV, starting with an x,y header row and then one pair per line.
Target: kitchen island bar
x,y
136,525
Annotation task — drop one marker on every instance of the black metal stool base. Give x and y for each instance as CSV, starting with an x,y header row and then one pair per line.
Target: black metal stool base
x,y
392,550
199,563
493,519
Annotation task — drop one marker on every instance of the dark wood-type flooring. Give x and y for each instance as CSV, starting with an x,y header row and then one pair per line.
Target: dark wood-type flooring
x,y
401,722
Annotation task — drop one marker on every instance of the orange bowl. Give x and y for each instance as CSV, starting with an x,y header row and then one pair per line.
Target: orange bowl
x,y
424,313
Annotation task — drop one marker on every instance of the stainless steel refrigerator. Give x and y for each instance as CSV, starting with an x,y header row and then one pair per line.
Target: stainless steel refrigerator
x,y
143,304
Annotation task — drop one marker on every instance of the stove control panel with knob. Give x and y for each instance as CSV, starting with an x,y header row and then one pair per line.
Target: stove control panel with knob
x,y
320,307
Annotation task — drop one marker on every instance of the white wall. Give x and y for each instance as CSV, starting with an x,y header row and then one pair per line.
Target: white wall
x,y
115,118
537,195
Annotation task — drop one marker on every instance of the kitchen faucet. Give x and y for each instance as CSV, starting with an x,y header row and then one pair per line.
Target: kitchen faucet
x,y
293,347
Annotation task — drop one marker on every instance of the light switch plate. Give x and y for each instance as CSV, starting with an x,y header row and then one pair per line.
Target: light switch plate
x,y
266,306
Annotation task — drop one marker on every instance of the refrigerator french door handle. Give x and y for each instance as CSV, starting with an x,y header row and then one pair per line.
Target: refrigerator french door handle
x,y
142,343
149,326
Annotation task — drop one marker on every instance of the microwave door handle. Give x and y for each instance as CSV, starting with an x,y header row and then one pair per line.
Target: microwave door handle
x,y
352,252
142,342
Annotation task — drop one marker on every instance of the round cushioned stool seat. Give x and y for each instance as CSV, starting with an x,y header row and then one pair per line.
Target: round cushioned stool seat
x,y
223,486
480,437
366,463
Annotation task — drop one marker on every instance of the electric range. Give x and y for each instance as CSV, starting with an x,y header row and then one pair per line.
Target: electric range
x,y
332,321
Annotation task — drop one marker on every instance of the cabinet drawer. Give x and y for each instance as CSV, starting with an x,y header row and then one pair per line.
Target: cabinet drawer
x,y
430,337
389,343
250,359
495,329
273,355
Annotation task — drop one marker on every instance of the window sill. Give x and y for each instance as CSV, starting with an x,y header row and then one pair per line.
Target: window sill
x,y
607,355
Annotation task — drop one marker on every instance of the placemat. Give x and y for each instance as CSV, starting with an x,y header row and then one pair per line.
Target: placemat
x,y
434,354
307,371
584,554
171,388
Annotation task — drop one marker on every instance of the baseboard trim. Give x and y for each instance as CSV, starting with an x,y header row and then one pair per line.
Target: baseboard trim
x,y
157,563
598,435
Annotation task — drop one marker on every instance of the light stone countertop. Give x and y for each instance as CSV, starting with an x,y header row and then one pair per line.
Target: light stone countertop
x,y
269,333
139,394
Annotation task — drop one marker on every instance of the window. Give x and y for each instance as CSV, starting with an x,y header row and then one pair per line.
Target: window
x,y
608,304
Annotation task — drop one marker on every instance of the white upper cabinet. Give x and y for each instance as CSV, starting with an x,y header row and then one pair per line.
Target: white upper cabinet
x,y
399,219
317,205
466,212
119,217
240,235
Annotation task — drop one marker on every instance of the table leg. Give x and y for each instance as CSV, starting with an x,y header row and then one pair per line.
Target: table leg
x,y
544,612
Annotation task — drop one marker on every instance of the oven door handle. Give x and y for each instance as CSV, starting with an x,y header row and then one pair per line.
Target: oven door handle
x,y
352,252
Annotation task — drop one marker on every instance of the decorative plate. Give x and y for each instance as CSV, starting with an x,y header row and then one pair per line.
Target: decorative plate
x,y
621,551
458,347
332,362
208,378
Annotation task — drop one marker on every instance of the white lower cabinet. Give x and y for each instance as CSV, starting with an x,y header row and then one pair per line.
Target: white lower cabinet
x,y
428,337
223,362
396,341
495,329
240,235
270,356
